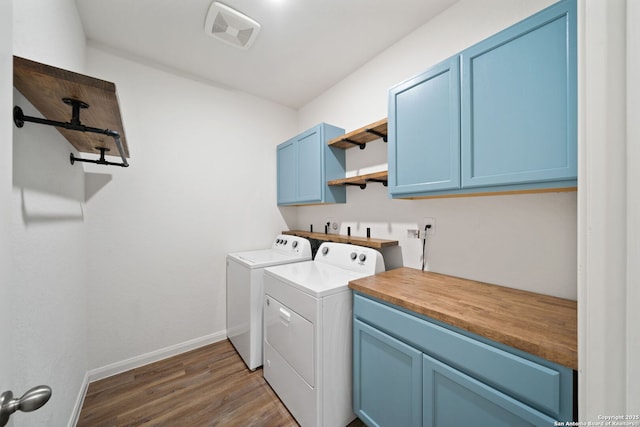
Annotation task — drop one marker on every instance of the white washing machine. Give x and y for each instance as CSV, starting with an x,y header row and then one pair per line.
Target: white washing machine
x,y
245,291
308,332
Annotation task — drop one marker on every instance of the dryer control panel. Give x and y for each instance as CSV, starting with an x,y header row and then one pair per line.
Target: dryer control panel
x,y
360,259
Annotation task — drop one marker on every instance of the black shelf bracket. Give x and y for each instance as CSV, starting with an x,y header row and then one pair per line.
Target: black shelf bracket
x,y
376,133
100,161
350,141
19,119
362,186
382,181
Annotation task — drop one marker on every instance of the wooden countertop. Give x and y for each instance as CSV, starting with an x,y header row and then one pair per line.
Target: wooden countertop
x,y
542,325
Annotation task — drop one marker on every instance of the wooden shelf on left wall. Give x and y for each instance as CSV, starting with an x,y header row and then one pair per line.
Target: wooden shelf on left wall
x,y
45,86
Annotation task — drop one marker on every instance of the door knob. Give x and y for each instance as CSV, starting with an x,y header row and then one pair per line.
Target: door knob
x,y
30,401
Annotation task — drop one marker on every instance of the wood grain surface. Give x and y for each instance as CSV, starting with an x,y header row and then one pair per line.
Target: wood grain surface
x,y
361,179
45,86
361,136
495,193
205,387
542,325
209,386
340,238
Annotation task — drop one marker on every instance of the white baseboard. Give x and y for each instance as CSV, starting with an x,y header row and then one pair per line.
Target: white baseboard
x,y
154,356
75,415
136,362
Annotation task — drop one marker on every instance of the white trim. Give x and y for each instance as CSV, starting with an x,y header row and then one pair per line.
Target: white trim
x,y
75,415
603,226
154,356
633,208
136,362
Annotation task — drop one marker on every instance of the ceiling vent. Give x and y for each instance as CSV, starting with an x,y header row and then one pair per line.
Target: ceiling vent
x,y
231,26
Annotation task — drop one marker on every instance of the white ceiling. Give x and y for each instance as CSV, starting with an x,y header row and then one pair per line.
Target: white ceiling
x,y
304,46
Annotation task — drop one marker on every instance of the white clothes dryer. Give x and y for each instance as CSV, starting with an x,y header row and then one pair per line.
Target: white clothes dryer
x,y
245,290
308,332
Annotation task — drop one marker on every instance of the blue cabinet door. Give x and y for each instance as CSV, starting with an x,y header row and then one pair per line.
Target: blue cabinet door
x,y
452,398
424,131
519,102
310,166
387,379
287,172
306,163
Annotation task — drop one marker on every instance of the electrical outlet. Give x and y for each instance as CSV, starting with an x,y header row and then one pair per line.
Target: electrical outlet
x,y
413,234
432,222
332,225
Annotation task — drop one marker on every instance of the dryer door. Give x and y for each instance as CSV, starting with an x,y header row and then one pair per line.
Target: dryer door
x,y
292,336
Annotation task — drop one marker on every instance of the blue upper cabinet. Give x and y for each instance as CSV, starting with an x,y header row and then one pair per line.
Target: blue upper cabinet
x,y
519,103
500,116
287,169
424,131
305,163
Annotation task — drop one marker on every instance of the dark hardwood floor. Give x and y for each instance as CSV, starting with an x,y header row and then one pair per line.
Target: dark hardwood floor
x,y
209,386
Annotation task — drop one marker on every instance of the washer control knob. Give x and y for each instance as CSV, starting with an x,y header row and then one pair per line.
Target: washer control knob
x,y
284,242
294,244
363,257
354,255
325,250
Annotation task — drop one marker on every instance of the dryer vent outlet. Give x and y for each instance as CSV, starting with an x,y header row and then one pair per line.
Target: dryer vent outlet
x,y
231,26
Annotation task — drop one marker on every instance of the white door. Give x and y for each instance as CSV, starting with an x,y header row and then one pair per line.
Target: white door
x,y
7,313
6,378
6,71
6,47
6,97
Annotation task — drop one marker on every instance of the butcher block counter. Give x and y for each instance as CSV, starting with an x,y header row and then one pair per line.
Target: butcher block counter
x,y
541,325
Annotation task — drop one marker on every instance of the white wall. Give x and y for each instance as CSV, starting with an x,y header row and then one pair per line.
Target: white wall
x,y
49,32
201,184
522,241
143,248
47,228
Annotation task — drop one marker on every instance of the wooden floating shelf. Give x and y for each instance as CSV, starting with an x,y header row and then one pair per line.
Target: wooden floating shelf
x,y
362,180
45,87
362,136
340,238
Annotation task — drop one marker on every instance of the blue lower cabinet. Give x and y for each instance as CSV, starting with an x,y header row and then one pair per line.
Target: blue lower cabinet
x,y
387,379
410,370
452,398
